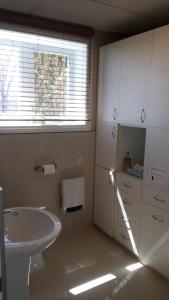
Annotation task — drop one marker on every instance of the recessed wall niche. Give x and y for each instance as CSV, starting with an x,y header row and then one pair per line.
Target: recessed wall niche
x,y
132,140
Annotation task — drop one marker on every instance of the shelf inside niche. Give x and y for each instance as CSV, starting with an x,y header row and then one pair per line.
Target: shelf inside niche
x,y
127,175
131,139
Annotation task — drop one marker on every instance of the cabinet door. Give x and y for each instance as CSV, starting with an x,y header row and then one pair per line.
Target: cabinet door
x,y
135,78
108,97
154,240
103,200
106,144
157,158
109,82
158,106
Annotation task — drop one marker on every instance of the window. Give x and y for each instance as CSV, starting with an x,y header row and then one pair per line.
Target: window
x,y
44,81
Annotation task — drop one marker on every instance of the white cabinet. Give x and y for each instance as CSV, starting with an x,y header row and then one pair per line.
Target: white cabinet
x,y
135,78
133,92
109,82
107,112
157,156
106,143
103,200
154,238
158,108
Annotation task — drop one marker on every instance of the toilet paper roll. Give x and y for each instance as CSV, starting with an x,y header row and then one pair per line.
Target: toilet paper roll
x,y
49,169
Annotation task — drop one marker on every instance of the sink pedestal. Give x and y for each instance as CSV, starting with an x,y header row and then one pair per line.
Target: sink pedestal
x,y
28,232
17,277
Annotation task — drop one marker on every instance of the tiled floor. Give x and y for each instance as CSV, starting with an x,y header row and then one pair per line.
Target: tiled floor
x,y
87,255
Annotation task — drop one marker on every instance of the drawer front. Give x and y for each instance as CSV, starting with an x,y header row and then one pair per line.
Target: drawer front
x,y
131,203
131,222
129,184
121,234
154,238
156,197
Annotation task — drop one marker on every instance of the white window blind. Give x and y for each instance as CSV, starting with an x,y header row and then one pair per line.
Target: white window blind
x,y
44,81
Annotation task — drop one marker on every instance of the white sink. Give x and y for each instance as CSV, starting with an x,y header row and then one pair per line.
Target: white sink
x,y
30,231
27,232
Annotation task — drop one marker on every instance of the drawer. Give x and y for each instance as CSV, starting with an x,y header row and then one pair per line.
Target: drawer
x,y
154,224
129,184
131,203
154,238
122,235
132,221
156,197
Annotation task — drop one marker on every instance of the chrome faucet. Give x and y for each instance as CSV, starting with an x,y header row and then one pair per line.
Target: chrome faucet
x,y
11,212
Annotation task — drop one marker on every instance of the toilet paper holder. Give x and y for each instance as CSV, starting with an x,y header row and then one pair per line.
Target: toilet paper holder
x,y
39,169
42,168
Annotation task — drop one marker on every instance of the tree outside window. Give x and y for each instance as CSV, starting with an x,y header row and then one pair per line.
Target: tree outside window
x,y
51,80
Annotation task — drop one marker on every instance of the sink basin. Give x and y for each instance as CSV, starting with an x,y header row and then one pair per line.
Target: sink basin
x,y
28,232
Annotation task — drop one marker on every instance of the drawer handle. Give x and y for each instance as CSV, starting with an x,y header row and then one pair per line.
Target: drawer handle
x,y
124,237
158,199
129,186
126,202
127,223
124,219
157,218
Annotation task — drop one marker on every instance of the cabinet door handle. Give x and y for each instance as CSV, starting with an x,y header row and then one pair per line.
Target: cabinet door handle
x,y
157,218
129,186
115,114
124,237
158,199
143,115
126,202
113,132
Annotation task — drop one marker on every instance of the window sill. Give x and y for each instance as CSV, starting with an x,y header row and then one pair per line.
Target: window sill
x,y
45,129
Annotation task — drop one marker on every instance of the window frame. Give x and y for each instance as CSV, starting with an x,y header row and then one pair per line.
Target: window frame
x,y
61,127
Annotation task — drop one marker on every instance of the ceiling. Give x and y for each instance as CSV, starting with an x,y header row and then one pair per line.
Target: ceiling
x,y
121,16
